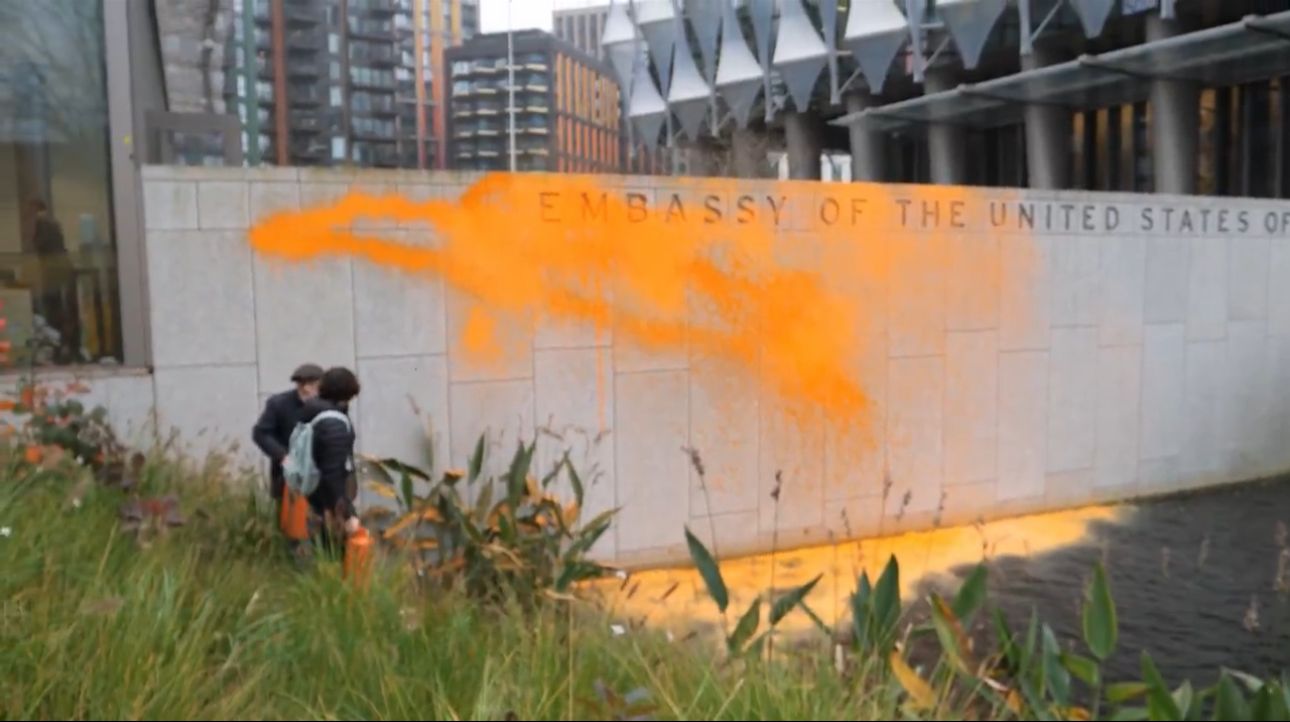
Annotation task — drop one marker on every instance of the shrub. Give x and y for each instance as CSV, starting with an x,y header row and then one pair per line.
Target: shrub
x,y
499,535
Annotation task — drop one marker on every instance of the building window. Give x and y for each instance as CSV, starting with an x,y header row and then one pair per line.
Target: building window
x,y
58,277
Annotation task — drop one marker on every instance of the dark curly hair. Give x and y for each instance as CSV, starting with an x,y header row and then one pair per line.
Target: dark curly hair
x,y
338,385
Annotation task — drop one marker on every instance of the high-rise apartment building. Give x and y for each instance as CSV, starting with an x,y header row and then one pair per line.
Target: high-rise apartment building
x,y
329,82
581,27
567,110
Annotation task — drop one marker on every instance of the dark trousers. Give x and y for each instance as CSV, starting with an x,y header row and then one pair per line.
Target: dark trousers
x,y
61,309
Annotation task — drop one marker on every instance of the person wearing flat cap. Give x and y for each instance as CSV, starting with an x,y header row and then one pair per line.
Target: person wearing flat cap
x,y
272,433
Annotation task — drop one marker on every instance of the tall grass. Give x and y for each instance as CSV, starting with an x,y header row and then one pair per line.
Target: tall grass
x,y
212,620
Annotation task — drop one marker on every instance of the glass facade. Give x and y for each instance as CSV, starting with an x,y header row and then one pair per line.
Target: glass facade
x,y
58,273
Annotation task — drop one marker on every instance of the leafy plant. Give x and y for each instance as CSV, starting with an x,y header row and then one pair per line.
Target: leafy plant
x,y
875,611
526,543
52,424
744,639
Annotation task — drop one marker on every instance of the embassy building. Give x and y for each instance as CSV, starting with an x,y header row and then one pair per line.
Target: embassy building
x,y
1169,96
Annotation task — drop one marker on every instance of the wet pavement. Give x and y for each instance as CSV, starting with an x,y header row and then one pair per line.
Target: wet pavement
x,y
1202,581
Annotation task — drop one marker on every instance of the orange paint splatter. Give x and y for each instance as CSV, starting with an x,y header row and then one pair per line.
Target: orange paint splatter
x,y
802,288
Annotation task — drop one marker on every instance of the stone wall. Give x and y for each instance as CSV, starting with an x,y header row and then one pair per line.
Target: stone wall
x,y
1152,358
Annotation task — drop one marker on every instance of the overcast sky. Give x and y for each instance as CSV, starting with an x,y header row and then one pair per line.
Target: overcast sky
x,y
524,13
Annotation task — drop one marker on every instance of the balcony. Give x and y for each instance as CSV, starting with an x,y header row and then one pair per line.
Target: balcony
x,y
462,111
371,30
304,96
305,40
369,54
373,135
309,150
378,7
370,82
535,130
303,68
386,157
306,122
302,14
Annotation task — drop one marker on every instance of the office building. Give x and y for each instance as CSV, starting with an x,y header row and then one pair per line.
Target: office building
x,y
567,109
326,82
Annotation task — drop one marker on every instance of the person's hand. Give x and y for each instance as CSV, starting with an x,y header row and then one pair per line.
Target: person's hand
x,y
352,525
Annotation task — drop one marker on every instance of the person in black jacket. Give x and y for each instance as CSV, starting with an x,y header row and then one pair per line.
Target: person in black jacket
x,y
272,433
333,448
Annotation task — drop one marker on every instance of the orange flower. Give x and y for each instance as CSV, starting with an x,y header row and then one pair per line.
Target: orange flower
x,y
6,405
28,396
33,455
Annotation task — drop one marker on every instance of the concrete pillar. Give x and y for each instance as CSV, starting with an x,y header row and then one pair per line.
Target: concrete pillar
x,y
748,152
1048,134
802,136
868,147
1175,117
946,144
703,158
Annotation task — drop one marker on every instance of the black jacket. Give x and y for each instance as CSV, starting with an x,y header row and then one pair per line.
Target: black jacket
x,y
334,456
272,433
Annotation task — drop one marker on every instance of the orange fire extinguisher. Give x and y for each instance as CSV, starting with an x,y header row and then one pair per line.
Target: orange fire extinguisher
x,y
294,515
358,556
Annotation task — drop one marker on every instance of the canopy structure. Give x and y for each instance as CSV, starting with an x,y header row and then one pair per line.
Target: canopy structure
x,y
1252,49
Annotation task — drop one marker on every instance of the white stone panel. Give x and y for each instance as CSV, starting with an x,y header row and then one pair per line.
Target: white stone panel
x,y
223,205
1123,288
651,420
1168,261
304,313
211,407
1247,278
1075,280
971,407
1119,413
1072,399
1023,407
397,313
169,205
1279,287
724,429
1207,290
1025,310
1163,389
1243,413
915,445
1202,452
500,411
575,414
208,315
403,410
792,448
273,197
